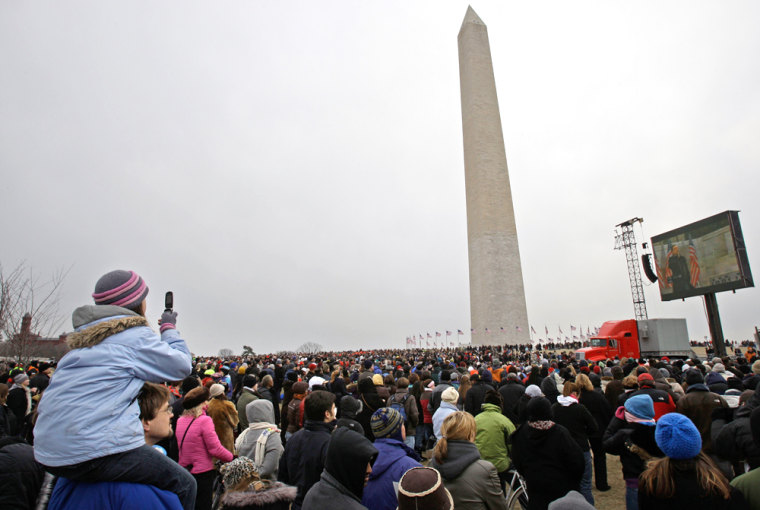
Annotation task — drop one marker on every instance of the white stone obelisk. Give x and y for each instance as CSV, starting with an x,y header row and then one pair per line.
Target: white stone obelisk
x,y
497,296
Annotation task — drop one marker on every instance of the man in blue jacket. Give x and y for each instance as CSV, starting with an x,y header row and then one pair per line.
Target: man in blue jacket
x,y
394,458
88,426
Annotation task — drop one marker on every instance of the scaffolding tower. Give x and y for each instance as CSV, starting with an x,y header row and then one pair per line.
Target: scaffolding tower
x,y
625,239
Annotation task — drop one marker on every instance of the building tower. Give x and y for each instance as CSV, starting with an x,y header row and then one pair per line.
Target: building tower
x,y
497,297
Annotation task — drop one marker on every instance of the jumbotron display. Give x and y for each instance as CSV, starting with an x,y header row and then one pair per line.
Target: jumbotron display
x,y
702,257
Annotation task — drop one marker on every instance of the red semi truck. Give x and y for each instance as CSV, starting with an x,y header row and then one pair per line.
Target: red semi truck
x,y
639,339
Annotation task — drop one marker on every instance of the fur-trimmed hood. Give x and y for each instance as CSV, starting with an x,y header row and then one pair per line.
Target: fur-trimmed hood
x,y
251,498
95,323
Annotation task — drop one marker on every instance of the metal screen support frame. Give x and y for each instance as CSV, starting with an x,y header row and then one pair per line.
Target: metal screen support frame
x,y
625,239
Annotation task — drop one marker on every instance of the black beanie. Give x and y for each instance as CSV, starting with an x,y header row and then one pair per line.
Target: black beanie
x,y
539,409
693,377
188,383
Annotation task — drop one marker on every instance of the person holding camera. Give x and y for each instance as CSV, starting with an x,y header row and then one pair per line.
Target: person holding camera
x,y
88,427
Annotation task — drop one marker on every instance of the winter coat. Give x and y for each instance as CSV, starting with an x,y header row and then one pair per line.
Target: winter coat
x,y
394,458
550,461
472,482
733,441
122,495
90,409
277,497
474,398
225,418
371,402
511,391
200,444
304,457
246,397
443,411
619,437
689,496
427,409
341,484
410,407
294,413
576,419
599,408
20,476
8,423
613,391
492,438
260,417
698,405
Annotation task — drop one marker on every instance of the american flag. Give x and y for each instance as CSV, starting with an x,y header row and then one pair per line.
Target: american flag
x,y
693,264
502,329
560,330
487,331
459,332
448,333
429,335
547,329
532,330
572,328
518,328
437,334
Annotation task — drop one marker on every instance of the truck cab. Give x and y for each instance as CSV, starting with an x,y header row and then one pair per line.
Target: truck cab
x,y
615,338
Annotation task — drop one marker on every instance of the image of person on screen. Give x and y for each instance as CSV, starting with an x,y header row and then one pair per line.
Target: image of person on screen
x,y
680,277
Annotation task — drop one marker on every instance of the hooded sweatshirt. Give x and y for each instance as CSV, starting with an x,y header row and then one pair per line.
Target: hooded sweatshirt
x,y
261,441
342,482
393,460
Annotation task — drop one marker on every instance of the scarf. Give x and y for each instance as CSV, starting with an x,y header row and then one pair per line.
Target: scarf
x,y
261,443
541,425
632,418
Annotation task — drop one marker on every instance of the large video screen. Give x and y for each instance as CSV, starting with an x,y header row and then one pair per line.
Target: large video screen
x,y
702,257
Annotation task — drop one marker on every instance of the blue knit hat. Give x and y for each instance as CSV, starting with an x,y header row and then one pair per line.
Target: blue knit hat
x,y
677,437
641,406
386,422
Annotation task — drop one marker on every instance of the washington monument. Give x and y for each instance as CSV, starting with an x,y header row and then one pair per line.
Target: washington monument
x,y
497,297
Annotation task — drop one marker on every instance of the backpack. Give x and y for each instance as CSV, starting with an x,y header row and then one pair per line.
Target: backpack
x,y
400,407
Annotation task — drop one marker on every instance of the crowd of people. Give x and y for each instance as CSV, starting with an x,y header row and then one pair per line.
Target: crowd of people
x,y
129,417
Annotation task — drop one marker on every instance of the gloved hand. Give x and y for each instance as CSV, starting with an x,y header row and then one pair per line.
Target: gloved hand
x,y
168,320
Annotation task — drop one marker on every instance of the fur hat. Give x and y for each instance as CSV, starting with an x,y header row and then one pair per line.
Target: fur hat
x,y
195,397
216,390
450,395
239,473
120,288
386,422
677,437
641,406
421,488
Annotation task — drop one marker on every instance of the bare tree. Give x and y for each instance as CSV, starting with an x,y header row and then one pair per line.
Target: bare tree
x,y
247,351
28,310
225,353
310,347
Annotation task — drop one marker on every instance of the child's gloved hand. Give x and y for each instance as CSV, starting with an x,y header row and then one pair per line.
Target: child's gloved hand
x,y
168,320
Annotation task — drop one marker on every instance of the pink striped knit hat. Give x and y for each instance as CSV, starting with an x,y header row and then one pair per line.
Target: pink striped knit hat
x,y
120,288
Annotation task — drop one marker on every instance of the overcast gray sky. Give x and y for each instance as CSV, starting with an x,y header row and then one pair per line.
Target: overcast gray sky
x,y
293,171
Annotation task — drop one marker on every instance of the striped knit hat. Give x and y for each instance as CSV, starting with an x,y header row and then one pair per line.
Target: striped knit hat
x,y
386,422
120,288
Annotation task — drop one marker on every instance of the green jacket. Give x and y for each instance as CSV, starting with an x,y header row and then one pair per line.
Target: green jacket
x,y
492,439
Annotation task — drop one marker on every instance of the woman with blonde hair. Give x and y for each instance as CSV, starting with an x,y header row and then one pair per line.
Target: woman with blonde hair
x,y
472,482
464,385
